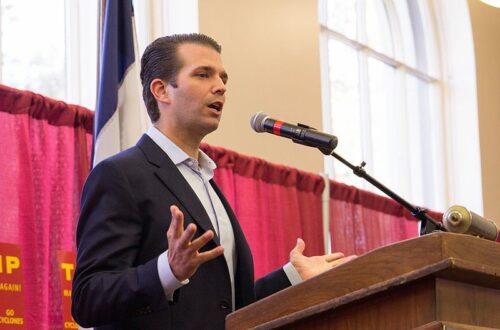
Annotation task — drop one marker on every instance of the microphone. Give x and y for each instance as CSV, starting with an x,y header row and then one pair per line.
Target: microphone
x,y
300,133
457,219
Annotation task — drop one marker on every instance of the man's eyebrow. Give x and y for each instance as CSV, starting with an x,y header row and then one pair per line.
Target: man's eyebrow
x,y
205,68
224,76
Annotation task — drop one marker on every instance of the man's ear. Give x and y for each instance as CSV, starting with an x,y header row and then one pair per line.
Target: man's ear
x,y
159,90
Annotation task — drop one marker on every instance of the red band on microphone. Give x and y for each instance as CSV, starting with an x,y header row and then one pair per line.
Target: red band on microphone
x,y
277,127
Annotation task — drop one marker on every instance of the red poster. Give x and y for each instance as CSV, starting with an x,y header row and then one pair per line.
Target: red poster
x,y
67,262
11,287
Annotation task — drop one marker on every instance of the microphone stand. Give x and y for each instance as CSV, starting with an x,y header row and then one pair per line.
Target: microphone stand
x,y
428,224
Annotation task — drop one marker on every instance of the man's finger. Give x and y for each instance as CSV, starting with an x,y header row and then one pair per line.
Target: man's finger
x,y
334,256
199,242
345,259
187,235
211,254
299,247
177,222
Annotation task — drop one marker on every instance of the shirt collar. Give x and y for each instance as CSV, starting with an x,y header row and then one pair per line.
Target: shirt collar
x,y
203,165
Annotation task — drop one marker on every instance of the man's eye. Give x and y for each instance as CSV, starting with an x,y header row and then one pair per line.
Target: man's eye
x,y
202,75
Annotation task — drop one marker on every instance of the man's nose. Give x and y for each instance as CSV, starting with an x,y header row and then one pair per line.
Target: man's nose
x,y
220,87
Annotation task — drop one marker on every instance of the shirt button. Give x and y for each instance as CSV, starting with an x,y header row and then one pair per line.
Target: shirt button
x,y
224,304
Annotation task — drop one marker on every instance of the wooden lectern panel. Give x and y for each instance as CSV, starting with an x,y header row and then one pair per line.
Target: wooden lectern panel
x,y
409,307
467,303
441,277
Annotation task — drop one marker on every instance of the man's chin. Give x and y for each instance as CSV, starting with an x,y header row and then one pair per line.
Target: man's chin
x,y
210,127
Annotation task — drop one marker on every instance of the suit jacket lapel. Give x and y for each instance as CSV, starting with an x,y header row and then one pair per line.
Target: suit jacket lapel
x,y
172,178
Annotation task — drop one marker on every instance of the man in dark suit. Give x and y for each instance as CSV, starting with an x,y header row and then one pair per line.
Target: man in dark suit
x,y
129,274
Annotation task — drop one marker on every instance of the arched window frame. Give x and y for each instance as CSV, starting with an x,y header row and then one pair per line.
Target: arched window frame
x,y
428,185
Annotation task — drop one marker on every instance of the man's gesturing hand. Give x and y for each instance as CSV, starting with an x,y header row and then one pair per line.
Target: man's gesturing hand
x,y
183,255
308,267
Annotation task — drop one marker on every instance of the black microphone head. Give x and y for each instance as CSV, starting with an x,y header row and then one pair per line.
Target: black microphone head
x,y
257,121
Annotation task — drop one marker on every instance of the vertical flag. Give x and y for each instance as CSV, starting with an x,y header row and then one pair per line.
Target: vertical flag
x,y
120,116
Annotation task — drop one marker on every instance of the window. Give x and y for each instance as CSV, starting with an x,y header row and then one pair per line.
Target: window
x,y
382,95
50,47
32,44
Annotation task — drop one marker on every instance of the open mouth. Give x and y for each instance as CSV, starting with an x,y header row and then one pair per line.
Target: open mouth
x,y
216,106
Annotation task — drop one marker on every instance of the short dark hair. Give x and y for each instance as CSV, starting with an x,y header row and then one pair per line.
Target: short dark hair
x,y
160,61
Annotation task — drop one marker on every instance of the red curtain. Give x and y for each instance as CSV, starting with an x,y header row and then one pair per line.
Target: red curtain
x,y
275,205
361,221
45,149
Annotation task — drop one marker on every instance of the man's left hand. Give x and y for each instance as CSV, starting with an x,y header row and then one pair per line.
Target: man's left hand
x,y
308,267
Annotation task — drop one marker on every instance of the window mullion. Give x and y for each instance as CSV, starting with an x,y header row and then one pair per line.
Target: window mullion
x,y
365,113
364,91
395,28
326,97
361,22
73,59
402,133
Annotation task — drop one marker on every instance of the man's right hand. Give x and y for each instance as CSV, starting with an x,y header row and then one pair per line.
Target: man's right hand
x,y
183,252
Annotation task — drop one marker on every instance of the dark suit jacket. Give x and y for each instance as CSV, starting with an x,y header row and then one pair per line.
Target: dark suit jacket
x,y
125,214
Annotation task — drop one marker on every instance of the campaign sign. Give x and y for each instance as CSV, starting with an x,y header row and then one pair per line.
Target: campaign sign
x,y
11,287
67,262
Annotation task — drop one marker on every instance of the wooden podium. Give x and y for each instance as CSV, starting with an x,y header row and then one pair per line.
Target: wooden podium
x,y
439,281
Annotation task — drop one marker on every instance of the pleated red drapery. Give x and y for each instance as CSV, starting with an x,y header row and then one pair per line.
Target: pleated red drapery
x,y
44,161
361,221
